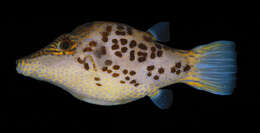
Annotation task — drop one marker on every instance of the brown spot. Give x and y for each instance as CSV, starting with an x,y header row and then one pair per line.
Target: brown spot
x,y
142,46
129,30
109,71
115,46
118,54
120,27
140,53
132,81
178,65
150,68
161,70
152,55
127,78
132,55
87,49
125,71
148,38
141,59
108,62
115,74
116,67
173,70
124,49
109,28
97,78
123,41
132,44
98,84
156,77
120,33
159,53
103,50
80,60
149,74
178,72
86,66
104,36
92,44
104,69
158,46
132,73
114,41
122,82
137,84
186,68
153,49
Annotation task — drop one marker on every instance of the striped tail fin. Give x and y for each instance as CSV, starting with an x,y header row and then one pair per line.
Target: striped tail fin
x,y
214,68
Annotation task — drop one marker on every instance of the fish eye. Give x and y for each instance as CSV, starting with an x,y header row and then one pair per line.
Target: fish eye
x,y
64,45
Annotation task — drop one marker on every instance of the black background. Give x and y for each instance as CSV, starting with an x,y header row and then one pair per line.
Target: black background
x,y
33,103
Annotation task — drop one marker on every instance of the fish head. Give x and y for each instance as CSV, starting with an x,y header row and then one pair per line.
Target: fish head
x,y
50,61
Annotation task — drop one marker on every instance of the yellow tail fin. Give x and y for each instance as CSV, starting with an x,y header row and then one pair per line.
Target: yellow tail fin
x,y
214,67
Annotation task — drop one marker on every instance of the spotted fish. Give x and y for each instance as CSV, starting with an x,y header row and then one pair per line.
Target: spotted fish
x,y
109,63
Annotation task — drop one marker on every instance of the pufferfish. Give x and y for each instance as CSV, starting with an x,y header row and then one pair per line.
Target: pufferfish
x,y
109,63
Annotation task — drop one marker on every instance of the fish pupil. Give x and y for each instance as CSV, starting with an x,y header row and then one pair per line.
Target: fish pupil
x,y
64,45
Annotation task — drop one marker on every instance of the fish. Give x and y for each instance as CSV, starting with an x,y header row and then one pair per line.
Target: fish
x,y
110,63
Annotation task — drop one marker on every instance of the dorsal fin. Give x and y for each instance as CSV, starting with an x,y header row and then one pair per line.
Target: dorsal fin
x,y
161,31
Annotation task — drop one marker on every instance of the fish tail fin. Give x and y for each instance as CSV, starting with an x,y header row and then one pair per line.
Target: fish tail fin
x,y
213,67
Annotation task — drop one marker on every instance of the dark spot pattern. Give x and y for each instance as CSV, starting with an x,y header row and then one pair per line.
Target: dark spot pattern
x,y
109,71
132,73
98,84
127,78
97,78
132,55
132,44
156,77
104,36
118,54
173,70
108,62
159,53
114,41
86,66
116,67
153,49
178,65
186,68
142,46
141,59
125,71
115,46
122,82
80,60
149,74
115,74
178,72
123,49
123,41
103,50
122,33
137,84
132,81
152,55
150,68
109,28
161,70
87,49
104,69
92,44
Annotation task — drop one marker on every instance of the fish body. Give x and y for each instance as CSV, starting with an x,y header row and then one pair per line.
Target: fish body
x,y
108,63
